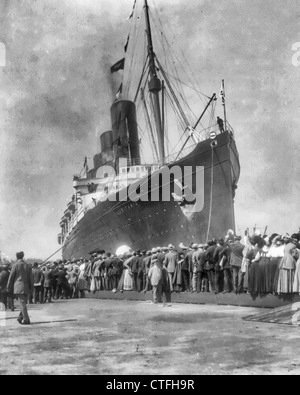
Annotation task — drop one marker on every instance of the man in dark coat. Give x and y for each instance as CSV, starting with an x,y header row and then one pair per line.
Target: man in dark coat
x,y
38,280
236,259
48,281
210,263
199,264
185,270
170,263
134,266
20,283
62,283
116,272
188,267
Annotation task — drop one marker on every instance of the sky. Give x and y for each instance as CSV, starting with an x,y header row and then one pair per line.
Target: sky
x,y
56,92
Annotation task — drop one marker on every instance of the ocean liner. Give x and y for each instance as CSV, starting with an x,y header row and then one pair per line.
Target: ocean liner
x,y
142,189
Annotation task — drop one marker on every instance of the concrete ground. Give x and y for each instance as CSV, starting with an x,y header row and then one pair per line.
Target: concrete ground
x,y
139,338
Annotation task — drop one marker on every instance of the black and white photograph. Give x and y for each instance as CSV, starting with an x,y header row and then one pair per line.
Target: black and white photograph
x,y
149,190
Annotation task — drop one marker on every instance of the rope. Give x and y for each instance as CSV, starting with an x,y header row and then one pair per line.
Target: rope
x,y
211,192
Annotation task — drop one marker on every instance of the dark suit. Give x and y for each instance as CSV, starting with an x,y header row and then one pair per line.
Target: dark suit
x,y
38,280
108,276
48,281
134,266
20,283
219,273
188,268
210,266
116,271
62,285
236,260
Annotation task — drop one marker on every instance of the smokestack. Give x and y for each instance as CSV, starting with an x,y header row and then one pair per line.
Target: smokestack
x,y
125,133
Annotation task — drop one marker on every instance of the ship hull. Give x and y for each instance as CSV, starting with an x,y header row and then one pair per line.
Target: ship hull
x,y
143,225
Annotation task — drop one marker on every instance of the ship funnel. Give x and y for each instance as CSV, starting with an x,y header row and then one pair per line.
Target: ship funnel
x,y
106,157
125,133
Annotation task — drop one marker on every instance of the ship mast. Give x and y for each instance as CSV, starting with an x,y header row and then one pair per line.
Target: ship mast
x,y
155,88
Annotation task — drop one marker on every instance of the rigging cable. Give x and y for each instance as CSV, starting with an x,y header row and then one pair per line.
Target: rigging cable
x,y
211,192
175,55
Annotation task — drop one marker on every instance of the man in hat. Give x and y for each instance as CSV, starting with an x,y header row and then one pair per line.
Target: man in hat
x,y
48,278
38,282
62,283
134,266
185,269
188,266
155,278
170,263
210,264
20,283
116,272
236,259
198,263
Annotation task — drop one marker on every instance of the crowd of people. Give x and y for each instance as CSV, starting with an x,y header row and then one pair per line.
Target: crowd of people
x,y
255,264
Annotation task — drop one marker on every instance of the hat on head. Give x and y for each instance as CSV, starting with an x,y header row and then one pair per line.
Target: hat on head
x,y
20,255
154,251
195,246
171,247
201,245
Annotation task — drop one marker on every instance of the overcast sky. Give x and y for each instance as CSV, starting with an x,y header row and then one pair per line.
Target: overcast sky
x,y
55,97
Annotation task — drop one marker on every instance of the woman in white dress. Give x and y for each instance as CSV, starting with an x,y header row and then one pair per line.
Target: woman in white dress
x,y
287,267
126,281
82,285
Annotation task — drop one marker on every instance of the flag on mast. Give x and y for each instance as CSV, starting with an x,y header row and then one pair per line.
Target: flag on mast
x,y
118,66
222,93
